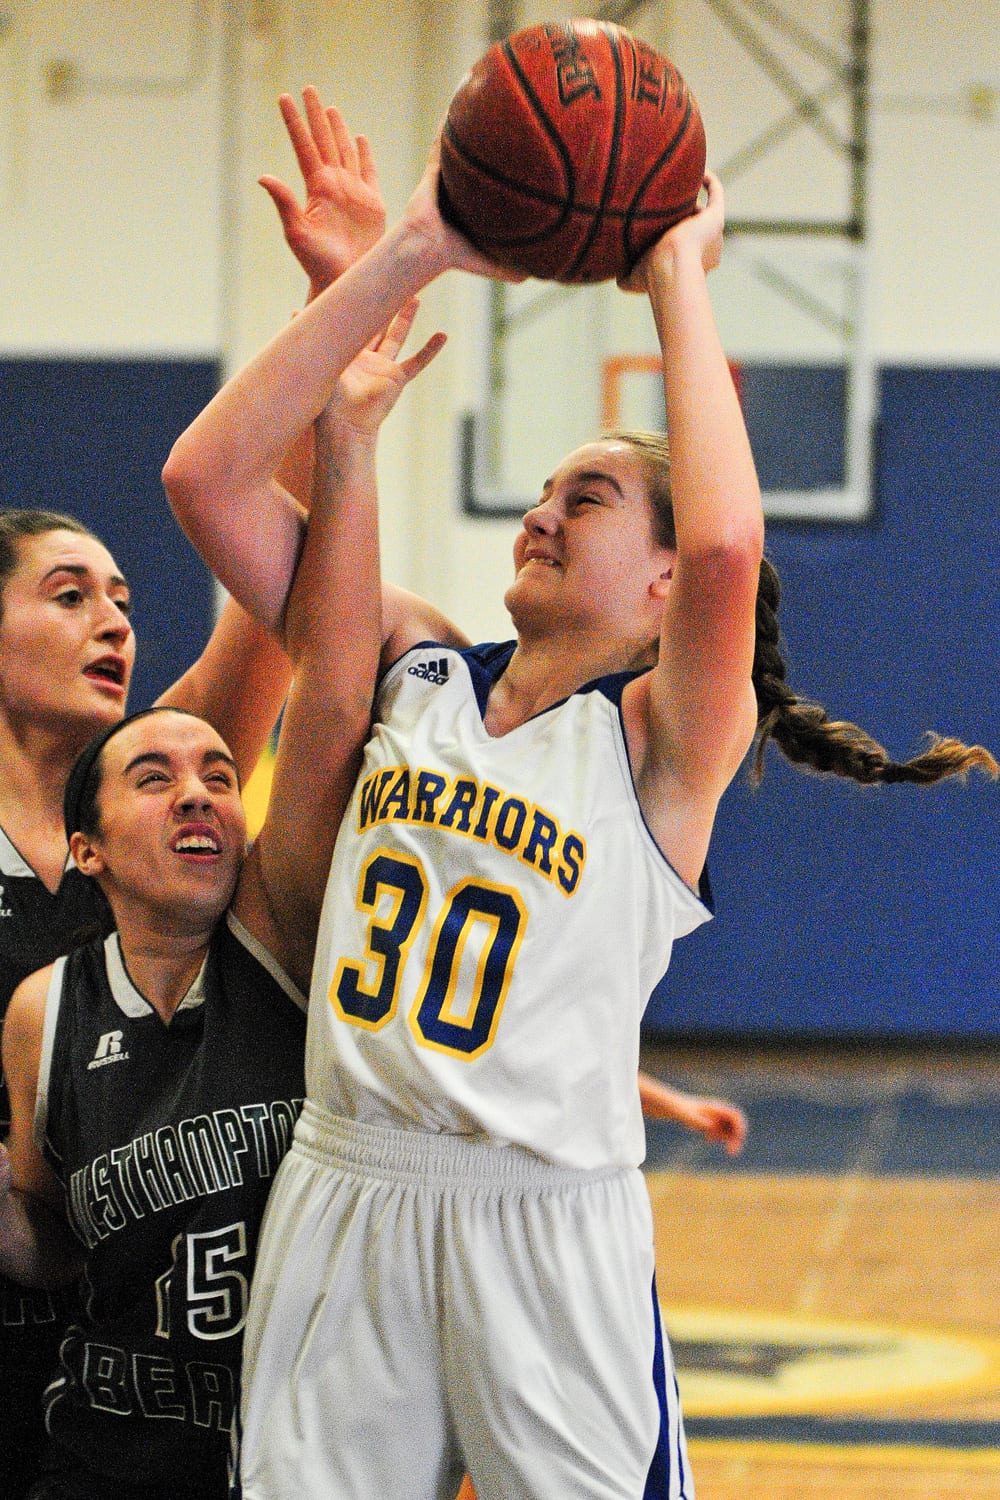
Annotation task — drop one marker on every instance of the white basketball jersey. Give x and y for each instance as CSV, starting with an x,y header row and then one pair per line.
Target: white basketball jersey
x,y
496,918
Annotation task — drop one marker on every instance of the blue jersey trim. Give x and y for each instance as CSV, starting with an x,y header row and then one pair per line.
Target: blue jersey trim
x,y
613,687
487,663
668,1456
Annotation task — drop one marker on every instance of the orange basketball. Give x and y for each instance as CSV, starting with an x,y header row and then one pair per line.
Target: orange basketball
x,y
569,149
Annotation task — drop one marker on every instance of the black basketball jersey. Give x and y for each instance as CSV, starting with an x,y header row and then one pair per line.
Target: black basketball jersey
x,y
166,1138
36,926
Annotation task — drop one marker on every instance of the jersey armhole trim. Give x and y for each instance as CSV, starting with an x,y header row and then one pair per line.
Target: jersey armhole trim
x,y
53,1000
391,666
701,900
484,663
266,960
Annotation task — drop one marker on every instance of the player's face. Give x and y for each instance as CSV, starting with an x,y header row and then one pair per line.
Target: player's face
x,y
172,833
586,552
66,645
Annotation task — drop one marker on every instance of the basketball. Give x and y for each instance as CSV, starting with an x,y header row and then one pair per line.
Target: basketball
x,y
569,149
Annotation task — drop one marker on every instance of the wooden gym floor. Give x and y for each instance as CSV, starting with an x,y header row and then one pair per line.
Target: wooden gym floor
x,y
833,1295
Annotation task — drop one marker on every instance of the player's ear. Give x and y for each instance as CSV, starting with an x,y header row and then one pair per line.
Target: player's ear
x,y
86,853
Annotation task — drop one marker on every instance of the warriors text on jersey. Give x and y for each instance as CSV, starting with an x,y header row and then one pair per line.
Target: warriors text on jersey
x,y
36,925
511,914
166,1138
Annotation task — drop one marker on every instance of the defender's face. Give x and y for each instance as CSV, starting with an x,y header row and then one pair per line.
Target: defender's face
x,y
172,832
66,645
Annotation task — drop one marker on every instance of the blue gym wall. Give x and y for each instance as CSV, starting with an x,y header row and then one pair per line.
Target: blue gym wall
x,y
846,911
842,911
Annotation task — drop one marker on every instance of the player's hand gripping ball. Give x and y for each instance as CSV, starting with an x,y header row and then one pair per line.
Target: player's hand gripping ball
x,y
569,149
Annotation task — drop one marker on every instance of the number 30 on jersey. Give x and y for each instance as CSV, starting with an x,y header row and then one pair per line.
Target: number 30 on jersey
x,y
470,956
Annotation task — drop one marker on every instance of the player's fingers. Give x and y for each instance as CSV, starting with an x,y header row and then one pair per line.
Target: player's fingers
x,y
433,162
392,338
282,197
501,273
306,155
393,335
635,281
366,161
465,257
346,148
419,361
319,127
714,192
736,1132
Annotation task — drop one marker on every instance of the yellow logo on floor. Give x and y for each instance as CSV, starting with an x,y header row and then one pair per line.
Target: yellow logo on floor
x,y
740,1364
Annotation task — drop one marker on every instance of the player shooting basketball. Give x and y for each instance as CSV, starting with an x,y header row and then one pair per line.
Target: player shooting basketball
x,y
457,1263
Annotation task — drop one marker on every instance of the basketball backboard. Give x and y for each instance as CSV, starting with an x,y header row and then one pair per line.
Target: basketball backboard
x,y
783,94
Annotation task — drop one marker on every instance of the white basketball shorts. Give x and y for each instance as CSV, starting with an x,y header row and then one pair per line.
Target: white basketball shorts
x,y
425,1304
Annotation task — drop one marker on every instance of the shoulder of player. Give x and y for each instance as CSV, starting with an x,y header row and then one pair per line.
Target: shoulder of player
x,y
24,1022
408,620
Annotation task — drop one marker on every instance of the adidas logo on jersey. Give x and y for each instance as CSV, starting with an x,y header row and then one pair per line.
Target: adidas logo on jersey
x,y
432,671
108,1050
5,911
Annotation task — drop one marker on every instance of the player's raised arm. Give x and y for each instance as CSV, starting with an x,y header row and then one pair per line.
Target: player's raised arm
x,y
220,476
223,477
333,633
720,677
342,215
698,708
239,682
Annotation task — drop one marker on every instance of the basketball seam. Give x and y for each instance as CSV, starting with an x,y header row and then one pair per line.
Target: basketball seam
x,y
488,170
539,195
657,166
550,131
601,214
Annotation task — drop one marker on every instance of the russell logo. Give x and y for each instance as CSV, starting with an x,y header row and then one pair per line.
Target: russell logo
x,y
108,1050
